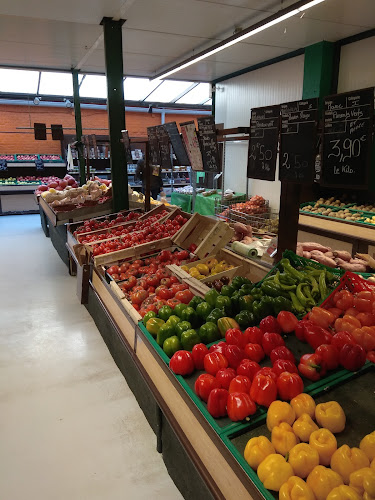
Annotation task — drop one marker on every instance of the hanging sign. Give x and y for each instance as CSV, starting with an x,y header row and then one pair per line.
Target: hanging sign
x,y
153,146
190,138
347,138
164,146
298,141
208,144
177,144
264,139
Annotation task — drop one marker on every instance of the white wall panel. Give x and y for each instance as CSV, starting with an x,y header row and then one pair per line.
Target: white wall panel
x,y
357,68
275,84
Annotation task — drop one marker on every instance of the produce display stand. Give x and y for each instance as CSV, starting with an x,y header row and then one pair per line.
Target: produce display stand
x,y
18,199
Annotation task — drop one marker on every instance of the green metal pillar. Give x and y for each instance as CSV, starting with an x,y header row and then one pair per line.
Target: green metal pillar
x,y
77,113
116,110
319,70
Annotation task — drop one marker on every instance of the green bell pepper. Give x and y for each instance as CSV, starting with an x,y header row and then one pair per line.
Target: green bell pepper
x,y
190,315
227,290
215,315
203,310
211,296
246,289
246,319
238,281
164,312
178,309
189,338
195,301
246,303
171,345
224,303
149,315
153,325
281,304
181,327
208,333
236,301
164,333
173,320
266,306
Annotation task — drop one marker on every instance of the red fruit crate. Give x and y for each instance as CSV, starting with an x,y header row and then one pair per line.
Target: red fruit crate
x,y
352,282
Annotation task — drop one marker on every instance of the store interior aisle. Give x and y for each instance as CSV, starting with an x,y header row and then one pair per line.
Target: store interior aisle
x,y
70,428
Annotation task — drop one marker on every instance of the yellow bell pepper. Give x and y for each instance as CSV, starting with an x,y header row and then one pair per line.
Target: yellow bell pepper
x,y
303,403
343,492
366,496
278,412
295,489
274,471
373,464
363,481
303,458
330,416
283,438
257,449
304,426
368,445
324,442
322,481
346,460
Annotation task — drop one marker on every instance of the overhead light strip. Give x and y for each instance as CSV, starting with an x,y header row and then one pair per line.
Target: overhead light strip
x,y
280,16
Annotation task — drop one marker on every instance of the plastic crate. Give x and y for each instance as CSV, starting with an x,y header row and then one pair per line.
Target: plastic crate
x,y
352,282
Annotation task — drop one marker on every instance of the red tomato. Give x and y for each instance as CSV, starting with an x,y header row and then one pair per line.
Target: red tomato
x,y
173,280
253,335
165,255
166,282
240,406
198,352
192,247
214,361
282,352
165,293
173,302
234,355
224,376
116,277
151,289
162,273
240,383
138,297
234,336
248,368
184,296
152,280
329,354
289,385
124,267
113,270
182,363
204,384
254,352
179,287
283,365
183,255
270,341
129,283
269,324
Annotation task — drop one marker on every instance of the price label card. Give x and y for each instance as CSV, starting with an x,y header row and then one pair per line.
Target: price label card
x,y
164,146
190,138
263,143
208,144
347,138
153,146
177,144
298,141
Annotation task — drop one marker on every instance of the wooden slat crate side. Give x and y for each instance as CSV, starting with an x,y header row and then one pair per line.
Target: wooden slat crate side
x,y
186,229
219,235
116,289
73,226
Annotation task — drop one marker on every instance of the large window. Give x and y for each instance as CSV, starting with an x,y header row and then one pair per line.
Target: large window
x,y
19,81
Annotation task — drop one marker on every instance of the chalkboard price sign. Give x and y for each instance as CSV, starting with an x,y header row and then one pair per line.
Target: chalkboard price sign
x,y
190,138
347,139
153,144
177,144
126,142
264,138
208,144
164,147
298,141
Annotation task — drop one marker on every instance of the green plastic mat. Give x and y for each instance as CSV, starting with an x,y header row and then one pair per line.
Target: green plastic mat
x,y
184,201
353,391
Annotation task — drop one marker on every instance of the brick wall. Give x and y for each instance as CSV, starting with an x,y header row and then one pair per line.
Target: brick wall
x,y
22,141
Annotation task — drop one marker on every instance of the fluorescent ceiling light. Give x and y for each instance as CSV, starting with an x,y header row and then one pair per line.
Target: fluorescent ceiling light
x,y
284,14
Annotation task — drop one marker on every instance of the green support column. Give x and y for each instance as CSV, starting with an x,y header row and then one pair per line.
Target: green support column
x,y
116,110
77,113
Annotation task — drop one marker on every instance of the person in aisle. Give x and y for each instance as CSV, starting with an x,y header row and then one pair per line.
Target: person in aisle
x,y
156,183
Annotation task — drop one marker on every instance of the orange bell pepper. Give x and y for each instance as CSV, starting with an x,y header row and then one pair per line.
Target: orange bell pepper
x,y
367,445
303,458
363,301
365,337
296,489
346,460
257,449
303,403
363,481
304,426
325,444
347,324
321,317
274,471
343,299
322,481
331,416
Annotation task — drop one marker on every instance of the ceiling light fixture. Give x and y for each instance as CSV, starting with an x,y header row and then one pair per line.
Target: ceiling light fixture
x,y
280,16
68,103
37,100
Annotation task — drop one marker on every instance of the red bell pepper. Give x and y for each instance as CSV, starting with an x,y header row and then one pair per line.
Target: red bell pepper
x,y
363,301
300,329
283,365
270,341
329,355
254,352
240,383
224,376
204,384
316,336
289,385
312,366
365,337
217,403
198,352
347,323
321,317
269,324
343,299
214,361
263,390
366,319
253,335
182,363
352,357
335,311
371,356
287,321
282,352
219,347
234,355
248,368
268,372
341,338
240,406
234,336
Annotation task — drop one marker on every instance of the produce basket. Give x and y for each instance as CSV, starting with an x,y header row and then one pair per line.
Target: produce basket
x,y
267,221
52,159
28,157
353,391
352,282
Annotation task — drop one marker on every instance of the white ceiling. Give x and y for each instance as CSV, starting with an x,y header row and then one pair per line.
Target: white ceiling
x,y
158,33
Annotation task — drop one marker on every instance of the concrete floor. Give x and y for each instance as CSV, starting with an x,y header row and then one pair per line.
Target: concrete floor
x,y
70,428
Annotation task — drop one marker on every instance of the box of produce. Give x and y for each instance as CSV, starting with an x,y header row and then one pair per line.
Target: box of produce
x,y
205,234
51,158
26,157
333,258
7,157
321,446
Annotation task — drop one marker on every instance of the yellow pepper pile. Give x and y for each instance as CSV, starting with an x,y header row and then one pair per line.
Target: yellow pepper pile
x,y
208,268
314,469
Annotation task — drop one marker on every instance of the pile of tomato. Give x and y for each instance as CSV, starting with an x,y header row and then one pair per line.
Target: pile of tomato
x,y
94,224
151,231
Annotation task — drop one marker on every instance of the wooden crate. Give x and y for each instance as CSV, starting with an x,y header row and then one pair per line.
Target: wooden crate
x,y
134,315
59,218
223,254
208,234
